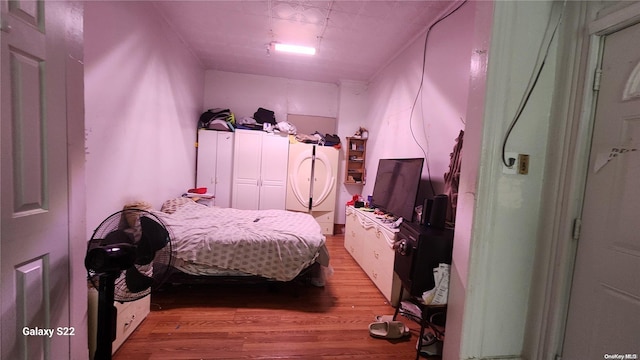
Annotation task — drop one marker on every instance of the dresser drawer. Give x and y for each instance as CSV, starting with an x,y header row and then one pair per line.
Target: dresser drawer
x,y
130,315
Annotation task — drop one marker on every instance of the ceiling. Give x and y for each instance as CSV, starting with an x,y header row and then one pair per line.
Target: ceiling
x,y
354,39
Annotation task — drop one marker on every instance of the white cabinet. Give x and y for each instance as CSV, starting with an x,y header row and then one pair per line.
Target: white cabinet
x,y
318,190
259,170
128,316
370,243
215,164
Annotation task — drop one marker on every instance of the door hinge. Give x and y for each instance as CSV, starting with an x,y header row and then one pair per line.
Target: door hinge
x,y
577,225
596,80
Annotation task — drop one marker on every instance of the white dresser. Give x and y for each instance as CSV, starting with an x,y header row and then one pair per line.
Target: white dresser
x,y
128,316
370,242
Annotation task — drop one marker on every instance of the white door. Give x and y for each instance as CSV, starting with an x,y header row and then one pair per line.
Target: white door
x,y
325,168
299,177
34,230
247,156
215,160
224,169
325,178
273,171
207,148
604,309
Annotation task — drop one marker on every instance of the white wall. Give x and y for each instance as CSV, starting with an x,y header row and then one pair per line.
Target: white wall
x,y
505,209
244,94
143,98
353,104
400,129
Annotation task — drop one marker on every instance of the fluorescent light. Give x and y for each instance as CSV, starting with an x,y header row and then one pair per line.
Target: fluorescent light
x,y
295,49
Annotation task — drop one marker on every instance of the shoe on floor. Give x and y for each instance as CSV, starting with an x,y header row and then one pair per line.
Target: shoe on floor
x,y
383,318
388,329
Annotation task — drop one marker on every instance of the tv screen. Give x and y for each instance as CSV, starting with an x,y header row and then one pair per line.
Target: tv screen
x,y
396,186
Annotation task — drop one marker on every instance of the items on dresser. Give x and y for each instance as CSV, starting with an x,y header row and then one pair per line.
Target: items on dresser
x,y
369,238
312,182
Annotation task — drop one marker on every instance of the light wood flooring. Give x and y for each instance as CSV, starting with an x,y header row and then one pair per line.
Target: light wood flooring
x,y
294,321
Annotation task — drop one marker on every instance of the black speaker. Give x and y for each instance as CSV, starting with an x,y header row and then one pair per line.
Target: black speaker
x,y
418,251
438,213
426,212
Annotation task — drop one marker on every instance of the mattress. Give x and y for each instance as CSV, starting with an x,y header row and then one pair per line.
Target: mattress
x,y
274,244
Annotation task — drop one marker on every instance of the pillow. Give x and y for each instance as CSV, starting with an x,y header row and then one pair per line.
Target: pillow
x,y
132,216
170,206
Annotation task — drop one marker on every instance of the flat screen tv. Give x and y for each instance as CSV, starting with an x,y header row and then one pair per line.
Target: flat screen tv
x,y
396,186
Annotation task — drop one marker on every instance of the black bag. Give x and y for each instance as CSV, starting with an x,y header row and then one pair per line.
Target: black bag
x,y
212,114
264,116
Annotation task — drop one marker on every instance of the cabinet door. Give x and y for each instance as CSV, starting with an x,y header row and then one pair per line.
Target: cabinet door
x,y
352,238
246,169
273,171
206,173
325,176
224,169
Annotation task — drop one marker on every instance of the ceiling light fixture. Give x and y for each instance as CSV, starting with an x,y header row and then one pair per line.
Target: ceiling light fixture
x,y
296,49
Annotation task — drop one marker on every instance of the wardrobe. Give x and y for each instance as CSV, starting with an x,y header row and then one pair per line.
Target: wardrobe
x,y
259,170
312,181
215,164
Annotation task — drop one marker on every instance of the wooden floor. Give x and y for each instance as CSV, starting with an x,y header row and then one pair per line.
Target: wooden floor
x,y
294,321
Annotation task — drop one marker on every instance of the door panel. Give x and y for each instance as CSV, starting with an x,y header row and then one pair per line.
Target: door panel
x,y
34,230
604,308
325,179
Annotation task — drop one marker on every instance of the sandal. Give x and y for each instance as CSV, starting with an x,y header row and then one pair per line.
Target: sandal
x,y
388,329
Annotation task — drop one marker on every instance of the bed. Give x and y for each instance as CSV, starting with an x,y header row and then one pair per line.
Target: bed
x,y
212,242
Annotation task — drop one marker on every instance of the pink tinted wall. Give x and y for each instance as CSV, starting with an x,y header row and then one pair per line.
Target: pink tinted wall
x,y
143,97
399,126
482,24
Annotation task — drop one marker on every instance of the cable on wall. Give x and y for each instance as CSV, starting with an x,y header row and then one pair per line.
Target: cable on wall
x,y
415,101
533,80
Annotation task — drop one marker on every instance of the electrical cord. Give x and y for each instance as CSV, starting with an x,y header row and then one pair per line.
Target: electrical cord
x,y
415,101
533,81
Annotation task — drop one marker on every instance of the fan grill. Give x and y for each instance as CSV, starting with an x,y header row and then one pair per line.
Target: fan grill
x,y
155,272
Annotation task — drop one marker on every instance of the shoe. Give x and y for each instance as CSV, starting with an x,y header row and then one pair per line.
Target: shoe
x,y
388,329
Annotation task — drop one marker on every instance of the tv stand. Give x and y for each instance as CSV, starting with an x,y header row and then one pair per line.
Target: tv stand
x,y
370,242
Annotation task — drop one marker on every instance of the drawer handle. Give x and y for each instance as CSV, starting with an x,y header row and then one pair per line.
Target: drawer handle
x,y
378,234
353,233
375,275
127,323
376,254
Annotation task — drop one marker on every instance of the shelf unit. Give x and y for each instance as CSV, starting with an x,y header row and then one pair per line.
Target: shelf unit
x,y
356,153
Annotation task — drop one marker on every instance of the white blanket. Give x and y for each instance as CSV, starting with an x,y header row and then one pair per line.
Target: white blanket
x,y
275,244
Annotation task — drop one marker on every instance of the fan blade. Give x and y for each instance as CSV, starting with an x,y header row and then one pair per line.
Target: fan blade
x,y
116,237
136,281
154,237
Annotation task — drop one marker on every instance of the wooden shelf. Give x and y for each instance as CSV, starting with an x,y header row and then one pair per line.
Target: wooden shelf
x,y
356,153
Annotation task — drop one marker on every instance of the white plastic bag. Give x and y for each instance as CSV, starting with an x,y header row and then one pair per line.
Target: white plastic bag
x,y
439,294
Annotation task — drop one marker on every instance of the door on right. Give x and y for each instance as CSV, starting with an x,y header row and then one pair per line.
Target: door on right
x,y
604,309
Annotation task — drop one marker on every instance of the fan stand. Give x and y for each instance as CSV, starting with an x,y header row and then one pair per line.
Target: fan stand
x,y
106,316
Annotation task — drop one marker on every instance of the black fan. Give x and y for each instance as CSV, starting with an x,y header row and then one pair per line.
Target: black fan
x,y
128,255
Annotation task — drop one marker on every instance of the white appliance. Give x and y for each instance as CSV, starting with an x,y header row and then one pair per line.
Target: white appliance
x,y
312,182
